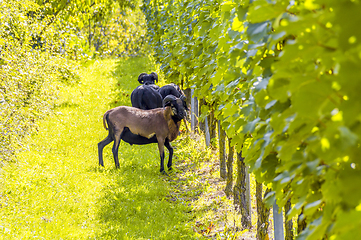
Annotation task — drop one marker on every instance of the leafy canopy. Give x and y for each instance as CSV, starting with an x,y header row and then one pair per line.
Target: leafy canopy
x,y
284,76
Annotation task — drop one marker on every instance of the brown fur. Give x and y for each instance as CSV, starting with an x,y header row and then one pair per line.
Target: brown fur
x,y
173,128
162,122
158,121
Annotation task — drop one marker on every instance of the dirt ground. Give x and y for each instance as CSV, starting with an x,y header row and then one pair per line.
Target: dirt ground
x,y
199,185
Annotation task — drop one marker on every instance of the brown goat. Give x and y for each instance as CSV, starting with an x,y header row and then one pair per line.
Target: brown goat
x,y
162,123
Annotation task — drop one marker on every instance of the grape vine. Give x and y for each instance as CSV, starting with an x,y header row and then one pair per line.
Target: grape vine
x,y
283,76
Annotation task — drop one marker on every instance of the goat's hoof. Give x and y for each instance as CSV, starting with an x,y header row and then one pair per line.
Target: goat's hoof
x,y
164,173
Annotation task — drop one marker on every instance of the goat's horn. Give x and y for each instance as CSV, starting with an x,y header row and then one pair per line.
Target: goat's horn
x,y
155,76
140,77
168,98
183,98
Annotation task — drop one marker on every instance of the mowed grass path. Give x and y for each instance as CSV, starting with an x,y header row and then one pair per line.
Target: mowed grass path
x,y
56,190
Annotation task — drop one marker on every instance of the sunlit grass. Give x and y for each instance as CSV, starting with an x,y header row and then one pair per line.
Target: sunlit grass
x,y
56,190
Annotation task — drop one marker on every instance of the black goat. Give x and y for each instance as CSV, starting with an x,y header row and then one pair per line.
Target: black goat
x,y
137,126
148,79
146,96
173,89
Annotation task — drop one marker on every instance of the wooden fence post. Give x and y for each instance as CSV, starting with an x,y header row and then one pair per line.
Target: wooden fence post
x,y
262,212
201,124
248,192
289,223
222,151
229,185
301,223
241,192
212,123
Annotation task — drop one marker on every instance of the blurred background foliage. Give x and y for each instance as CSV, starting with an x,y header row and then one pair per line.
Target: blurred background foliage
x,y
41,43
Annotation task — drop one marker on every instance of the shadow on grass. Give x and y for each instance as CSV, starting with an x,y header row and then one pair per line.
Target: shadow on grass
x,y
136,204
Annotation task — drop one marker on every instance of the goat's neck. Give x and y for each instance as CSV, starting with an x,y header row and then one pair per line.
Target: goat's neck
x,y
173,124
176,119
173,127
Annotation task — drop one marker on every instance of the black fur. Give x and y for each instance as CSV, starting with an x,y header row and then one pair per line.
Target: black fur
x,y
129,137
170,89
173,89
147,79
146,97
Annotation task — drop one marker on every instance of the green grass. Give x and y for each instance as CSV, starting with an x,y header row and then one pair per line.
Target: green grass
x,y
56,190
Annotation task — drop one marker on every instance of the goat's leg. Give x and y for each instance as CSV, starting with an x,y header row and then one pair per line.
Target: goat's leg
x,y
101,145
170,149
117,137
161,152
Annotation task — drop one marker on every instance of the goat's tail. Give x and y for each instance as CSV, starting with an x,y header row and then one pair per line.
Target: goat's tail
x,y
105,119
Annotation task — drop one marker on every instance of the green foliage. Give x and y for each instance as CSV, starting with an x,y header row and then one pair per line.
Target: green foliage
x,y
37,39
121,33
56,190
26,94
84,29
77,29
284,76
27,78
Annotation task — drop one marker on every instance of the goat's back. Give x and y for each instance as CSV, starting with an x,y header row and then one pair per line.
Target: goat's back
x,y
146,97
142,122
170,89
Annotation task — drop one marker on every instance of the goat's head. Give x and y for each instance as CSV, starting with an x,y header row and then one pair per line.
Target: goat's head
x,y
148,79
177,106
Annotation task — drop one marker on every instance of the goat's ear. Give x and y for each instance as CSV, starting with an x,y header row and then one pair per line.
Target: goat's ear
x,y
140,78
155,76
